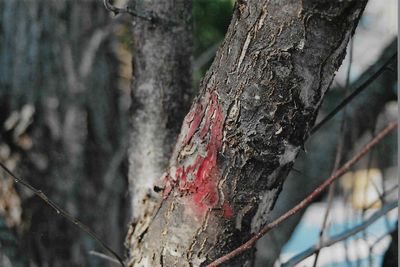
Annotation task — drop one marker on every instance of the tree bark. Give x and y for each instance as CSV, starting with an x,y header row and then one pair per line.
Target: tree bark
x,y
361,118
238,142
161,95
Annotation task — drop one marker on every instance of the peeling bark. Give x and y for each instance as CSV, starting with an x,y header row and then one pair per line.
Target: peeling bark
x,y
257,104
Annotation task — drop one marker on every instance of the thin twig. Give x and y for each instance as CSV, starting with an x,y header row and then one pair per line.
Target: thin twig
x,y
356,92
338,159
63,213
365,192
379,239
305,202
89,54
117,10
338,156
325,220
337,238
348,233
103,256
205,57
384,194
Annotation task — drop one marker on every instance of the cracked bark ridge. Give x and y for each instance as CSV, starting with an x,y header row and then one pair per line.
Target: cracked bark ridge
x,y
238,142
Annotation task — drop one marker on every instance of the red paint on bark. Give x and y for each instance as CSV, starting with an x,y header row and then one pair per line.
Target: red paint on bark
x,y
199,180
193,118
227,210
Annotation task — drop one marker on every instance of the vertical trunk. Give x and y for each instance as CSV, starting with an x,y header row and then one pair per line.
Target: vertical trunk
x,y
56,59
257,104
160,95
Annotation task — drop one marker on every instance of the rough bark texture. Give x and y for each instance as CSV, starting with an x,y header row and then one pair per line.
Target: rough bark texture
x,y
257,104
58,72
160,95
315,165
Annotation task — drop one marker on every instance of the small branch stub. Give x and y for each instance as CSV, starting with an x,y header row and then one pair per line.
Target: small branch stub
x,y
150,16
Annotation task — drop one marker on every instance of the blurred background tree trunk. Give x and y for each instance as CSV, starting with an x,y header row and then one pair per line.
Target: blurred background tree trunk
x,y
161,94
62,124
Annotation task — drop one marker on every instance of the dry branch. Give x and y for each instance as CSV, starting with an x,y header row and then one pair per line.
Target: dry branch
x,y
342,236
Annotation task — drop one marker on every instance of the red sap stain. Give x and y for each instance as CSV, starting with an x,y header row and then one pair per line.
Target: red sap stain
x,y
199,180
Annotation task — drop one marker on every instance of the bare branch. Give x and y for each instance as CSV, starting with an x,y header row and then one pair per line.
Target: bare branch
x,y
112,170
117,10
205,57
74,82
337,238
382,197
62,212
305,202
338,156
90,51
356,92
103,256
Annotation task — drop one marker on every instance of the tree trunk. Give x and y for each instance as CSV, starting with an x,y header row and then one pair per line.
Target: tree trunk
x,y
57,62
238,142
160,97
361,118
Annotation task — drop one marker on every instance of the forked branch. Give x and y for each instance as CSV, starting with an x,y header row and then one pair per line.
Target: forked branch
x,y
342,236
355,93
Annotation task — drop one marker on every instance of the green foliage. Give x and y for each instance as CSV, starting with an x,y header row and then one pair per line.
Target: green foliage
x,y
211,20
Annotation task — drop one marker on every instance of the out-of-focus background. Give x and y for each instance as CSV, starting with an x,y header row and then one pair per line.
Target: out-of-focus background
x,y
65,74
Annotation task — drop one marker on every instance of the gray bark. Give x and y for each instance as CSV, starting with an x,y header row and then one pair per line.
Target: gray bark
x,y
56,58
257,104
160,95
316,164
